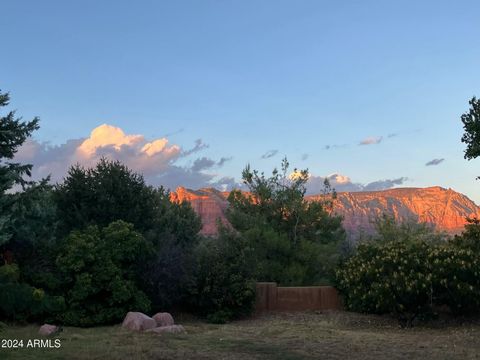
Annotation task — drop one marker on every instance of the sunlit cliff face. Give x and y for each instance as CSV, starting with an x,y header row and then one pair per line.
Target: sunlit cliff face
x,y
445,209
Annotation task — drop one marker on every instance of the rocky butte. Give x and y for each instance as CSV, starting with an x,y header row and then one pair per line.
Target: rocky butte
x,y
445,209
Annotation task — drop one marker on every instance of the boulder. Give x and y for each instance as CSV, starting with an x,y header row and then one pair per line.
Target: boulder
x,y
138,321
163,319
47,329
172,329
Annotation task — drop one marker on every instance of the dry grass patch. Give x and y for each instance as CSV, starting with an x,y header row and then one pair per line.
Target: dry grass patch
x,y
331,335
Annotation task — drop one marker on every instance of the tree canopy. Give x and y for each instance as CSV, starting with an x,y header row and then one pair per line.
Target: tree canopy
x,y
13,133
471,127
295,239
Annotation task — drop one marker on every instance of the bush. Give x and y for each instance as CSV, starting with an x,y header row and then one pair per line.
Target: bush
x,y
22,302
98,268
456,278
457,271
407,271
225,284
393,277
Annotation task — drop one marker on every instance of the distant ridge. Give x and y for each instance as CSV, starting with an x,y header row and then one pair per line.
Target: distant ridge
x,y
443,208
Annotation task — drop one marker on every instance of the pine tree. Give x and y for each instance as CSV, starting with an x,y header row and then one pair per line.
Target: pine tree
x,y
13,133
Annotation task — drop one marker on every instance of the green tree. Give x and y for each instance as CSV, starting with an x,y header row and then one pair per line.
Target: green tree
x,y
471,127
108,192
296,240
33,241
98,269
169,272
13,133
225,277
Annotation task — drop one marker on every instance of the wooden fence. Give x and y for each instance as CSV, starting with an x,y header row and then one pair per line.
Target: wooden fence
x,y
271,297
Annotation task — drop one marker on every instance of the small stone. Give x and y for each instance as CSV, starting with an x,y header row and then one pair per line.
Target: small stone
x,y
47,329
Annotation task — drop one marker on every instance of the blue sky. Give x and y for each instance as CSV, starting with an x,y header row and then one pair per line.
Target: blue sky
x,y
247,77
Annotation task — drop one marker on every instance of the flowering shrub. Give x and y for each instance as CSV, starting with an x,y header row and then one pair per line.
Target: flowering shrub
x,y
457,278
392,277
408,276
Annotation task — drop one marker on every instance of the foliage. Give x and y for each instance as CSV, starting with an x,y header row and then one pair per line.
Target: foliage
x,y
295,241
457,271
456,278
23,222
225,284
173,221
391,277
98,273
103,194
408,270
168,273
22,302
33,242
13,133
470,237
388,229
471,127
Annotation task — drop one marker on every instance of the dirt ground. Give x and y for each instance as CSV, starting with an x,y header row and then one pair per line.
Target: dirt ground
x,y
312,335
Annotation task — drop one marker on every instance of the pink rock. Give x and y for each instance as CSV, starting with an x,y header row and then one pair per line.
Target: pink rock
x,y
172,329
138,321
47,329
163,319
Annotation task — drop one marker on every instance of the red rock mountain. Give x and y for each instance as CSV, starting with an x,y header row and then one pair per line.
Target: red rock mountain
x,y
444,208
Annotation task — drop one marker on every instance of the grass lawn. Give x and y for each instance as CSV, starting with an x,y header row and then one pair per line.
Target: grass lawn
x,y
312,335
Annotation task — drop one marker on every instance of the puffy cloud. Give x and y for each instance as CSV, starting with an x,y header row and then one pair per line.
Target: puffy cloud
x,y
156,159
371,140
434,162
106,135
343,183
269,154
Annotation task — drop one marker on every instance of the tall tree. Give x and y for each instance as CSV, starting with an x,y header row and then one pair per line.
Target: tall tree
x,y
103,194
13,133
295,239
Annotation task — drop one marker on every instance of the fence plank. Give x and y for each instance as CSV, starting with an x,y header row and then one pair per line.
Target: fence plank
x,y
271,297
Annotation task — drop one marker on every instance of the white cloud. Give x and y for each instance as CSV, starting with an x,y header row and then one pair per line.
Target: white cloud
x,y
155,159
